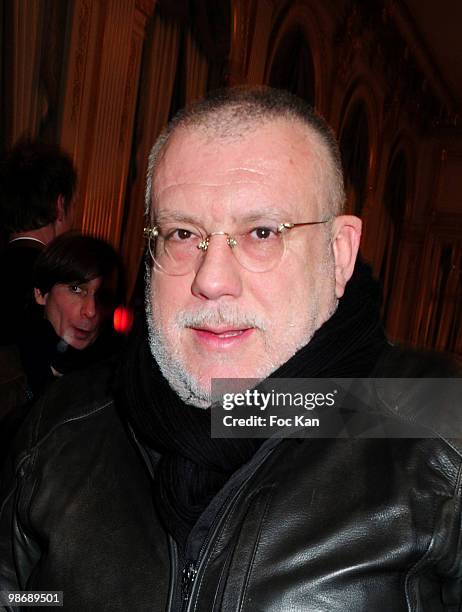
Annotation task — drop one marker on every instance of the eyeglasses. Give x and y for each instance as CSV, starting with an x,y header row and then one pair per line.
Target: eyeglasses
x,y
178,249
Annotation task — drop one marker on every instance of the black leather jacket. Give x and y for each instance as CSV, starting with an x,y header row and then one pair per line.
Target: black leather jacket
x,y
321,525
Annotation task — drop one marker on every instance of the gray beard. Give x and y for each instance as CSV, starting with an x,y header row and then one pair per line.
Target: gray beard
x,y
184,385
174,370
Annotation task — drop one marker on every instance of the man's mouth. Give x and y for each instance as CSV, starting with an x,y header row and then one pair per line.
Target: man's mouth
x,y
82,333
230,333
221,337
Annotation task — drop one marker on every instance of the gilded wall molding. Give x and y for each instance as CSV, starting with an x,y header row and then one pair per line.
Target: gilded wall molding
x,y
98,114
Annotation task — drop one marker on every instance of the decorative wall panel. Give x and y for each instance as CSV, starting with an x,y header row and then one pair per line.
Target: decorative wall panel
x,y
155,93
22,74
99,108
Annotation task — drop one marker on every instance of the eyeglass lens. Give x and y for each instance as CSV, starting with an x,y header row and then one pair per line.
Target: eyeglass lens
x,y
179,250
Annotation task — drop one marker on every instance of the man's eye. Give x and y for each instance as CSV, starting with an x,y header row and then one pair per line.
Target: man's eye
x,y
263,233
75,289
179,234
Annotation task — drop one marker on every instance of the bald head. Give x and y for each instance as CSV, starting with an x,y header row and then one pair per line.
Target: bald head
x,y
233,113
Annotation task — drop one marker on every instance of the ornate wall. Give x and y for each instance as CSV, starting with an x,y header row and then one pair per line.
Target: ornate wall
x,y
101,77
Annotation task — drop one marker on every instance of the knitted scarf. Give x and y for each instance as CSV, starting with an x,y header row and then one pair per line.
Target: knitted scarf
x,y
194,466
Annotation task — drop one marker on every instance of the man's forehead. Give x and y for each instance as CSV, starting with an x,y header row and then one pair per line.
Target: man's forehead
x,y
278,165
265,148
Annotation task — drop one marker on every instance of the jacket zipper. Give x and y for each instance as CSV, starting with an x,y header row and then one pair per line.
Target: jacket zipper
x,y
188,576
191,568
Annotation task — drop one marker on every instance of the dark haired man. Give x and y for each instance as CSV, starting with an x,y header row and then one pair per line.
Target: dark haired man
x,y
78,282
250,274
37,185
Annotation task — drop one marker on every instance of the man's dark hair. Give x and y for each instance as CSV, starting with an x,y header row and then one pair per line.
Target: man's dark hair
x,y
235,111
32,176
75,258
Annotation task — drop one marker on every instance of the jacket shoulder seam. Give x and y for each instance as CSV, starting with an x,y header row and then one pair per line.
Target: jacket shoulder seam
x,y
38,443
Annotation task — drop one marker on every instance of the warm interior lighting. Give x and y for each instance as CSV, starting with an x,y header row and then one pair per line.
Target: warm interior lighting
x,y
123,319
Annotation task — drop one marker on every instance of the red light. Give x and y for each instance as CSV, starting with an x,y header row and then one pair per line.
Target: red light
x,y
123,319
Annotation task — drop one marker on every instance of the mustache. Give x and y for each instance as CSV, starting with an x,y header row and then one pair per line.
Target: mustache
x,y
224,314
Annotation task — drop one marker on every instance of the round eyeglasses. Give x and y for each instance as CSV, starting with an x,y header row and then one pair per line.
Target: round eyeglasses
x,y
178,248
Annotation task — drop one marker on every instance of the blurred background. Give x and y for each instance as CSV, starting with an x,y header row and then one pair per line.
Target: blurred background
x,y
101,78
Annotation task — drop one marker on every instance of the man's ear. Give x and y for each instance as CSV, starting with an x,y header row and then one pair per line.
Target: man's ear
x,y
39,298
346,234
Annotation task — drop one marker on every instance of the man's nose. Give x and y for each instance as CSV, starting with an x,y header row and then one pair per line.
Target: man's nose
x,y
219,273
89,307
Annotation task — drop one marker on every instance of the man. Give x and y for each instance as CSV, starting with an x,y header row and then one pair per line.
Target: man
x,y
249,260
37,184
77,284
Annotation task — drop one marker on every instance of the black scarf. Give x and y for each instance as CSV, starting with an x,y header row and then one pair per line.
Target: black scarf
x,y
195,466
